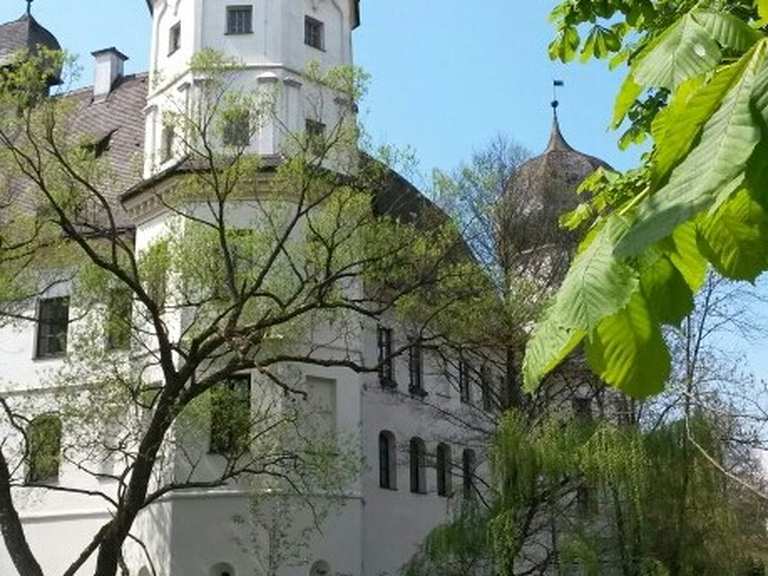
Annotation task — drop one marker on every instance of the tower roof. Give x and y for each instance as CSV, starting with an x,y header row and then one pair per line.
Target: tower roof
x,y
24,34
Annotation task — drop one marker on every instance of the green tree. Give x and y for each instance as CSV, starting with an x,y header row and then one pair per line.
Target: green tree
x,y
326,251
696,85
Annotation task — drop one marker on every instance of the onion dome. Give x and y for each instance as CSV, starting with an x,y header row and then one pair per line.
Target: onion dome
x,y
539,192
24,35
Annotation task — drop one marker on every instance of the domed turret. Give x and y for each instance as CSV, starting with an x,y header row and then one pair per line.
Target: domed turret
x,y
541,191
25,35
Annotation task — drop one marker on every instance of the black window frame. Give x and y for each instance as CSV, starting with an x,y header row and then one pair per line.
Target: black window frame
x,y
416,368
486,388
234,26
314,33
387,460
223,433
385,342
174,39
52,327
443,464
417,464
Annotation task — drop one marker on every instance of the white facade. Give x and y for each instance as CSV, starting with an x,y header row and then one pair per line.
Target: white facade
x,y
372,531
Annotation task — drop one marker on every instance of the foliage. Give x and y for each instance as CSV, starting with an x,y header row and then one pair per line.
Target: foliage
x,y
698,200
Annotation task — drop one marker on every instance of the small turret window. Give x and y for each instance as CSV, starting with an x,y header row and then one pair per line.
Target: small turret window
x,y
239,19
314,33
174,38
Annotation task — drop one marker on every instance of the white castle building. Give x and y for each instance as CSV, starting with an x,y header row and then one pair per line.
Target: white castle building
x,y
411,459
417,467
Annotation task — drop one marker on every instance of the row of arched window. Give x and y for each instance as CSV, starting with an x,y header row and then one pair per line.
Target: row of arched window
x,y
417,466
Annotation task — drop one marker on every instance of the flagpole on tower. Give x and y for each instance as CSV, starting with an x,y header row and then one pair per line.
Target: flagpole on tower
x,y
555,102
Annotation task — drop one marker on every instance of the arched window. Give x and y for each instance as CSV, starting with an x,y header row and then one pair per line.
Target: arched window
x,y
223,569
44,448
468,465
320,568
387,460
444,470
418,455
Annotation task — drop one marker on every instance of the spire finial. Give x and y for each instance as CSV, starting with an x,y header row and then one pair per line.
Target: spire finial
x,y
555,102
29,7
556,139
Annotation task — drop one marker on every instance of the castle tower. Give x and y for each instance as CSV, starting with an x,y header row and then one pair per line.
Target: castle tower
x,y
273,40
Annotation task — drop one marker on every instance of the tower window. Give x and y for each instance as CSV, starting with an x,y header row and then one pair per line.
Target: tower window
x,y
386,362
168,143
418,459
315,136
487,388
582,409
314,33
44,447
231,416
387,461
416,368
237,129
443,470
239,19
174,38
52,325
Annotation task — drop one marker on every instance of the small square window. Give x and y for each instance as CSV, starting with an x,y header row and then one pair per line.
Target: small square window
x,y
174,38
314,33
53,322
239,19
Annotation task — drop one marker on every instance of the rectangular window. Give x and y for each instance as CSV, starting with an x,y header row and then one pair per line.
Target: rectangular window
x,y
487,388
386,361
53,322
315,136
168,143
314,33
582,409
465,379
416,368
119,319
239,19
231,416
174,38
237,129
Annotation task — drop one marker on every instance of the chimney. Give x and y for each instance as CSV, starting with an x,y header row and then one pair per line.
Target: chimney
x,y
108,68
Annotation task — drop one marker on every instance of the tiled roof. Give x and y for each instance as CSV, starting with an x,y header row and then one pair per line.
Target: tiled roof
x,y
24,34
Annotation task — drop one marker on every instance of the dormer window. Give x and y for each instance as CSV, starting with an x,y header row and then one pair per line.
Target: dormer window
x,y
314,33
239,19
174,38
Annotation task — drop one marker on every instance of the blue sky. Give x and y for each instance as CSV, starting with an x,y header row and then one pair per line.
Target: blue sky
x,y
447,75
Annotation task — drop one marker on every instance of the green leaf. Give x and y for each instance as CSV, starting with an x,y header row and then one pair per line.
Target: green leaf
x,y
597,285
666,291
565,45
628,95
627,350
727,142
762,9
735,237
728,30
682,248
676,127
683,51
760,95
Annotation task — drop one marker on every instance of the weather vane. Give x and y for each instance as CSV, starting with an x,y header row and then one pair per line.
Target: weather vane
x,y
555,85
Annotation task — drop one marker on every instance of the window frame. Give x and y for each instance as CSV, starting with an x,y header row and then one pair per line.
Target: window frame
x,y
237,130
443,464
167,143
314,33
468,467
465,382
231,10
385,341
46,334
115,313
174,39
387,460
416,368
229,446
33,474
417,465
316,132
